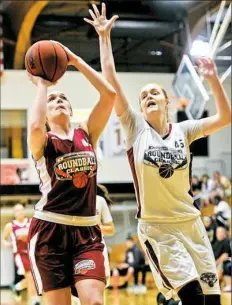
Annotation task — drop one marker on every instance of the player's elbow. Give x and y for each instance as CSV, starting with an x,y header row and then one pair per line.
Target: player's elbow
x,y
226,119
223,119
111,93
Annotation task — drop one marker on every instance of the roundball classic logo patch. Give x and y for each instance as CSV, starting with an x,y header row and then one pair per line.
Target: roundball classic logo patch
x,y
77,166
209,278
84,266
167,160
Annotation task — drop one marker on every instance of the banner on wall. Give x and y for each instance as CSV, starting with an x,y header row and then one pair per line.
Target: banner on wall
x,y
15,173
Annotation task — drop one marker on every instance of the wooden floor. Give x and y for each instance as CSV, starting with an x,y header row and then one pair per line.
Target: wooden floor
x,y
112,298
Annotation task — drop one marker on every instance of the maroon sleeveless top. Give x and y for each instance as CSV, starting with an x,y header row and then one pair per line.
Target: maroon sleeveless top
x,y
19,236
67,174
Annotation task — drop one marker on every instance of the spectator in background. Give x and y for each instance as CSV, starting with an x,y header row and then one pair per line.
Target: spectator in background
x,y
206,188
218,186
222,182
222,208
196,190
222,253
210,226
134,259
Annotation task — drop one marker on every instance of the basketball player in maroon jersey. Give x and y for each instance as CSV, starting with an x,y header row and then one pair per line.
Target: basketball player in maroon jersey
x,y
170,229
65,242
17,232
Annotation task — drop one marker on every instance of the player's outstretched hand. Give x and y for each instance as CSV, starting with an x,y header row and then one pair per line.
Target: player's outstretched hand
x,y
71,56
101,24
37,79
206,67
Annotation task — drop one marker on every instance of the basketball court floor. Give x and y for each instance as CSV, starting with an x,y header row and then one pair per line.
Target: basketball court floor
x,y
121,297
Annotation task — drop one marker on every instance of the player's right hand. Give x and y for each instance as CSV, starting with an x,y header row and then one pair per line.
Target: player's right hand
x,y
36,80
72,58
101,24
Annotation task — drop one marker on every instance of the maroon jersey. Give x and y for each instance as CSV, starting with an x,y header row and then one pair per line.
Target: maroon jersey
x,y
19,236
67,174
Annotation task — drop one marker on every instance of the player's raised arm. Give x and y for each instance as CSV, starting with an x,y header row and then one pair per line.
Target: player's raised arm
x,y
222,118
101,112
103,28
37,130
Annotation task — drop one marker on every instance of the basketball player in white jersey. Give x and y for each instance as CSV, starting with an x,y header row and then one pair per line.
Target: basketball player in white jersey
x,y
170,229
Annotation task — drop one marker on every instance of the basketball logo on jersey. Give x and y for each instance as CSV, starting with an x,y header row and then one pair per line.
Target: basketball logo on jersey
x,y
166,159
76,166
209,278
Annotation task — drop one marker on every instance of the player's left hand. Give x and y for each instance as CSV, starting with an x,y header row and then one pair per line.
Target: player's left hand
x,y
206,67
101,24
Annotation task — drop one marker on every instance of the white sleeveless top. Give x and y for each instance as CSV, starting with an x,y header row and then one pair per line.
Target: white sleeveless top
x,y
161,168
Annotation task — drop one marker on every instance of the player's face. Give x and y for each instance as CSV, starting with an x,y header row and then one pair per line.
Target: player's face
x,y
129,244
19,212
152,99
57,105
221,233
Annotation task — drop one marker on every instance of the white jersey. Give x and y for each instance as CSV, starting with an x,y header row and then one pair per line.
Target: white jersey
x,y
223,208
161,168
102,211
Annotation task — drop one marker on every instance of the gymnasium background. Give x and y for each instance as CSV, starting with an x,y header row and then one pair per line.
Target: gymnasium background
x,y
148,48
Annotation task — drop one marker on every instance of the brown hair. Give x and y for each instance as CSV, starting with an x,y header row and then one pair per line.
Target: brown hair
x,y
103,192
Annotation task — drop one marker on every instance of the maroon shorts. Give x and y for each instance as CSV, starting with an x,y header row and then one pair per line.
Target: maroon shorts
x,y
22,263
61,255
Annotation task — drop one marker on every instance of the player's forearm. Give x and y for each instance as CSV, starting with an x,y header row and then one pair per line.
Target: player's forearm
x,y
109,71
107,59
222,258
97,80
39,108
222,101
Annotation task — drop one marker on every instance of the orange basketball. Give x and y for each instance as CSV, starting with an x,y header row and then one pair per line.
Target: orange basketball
x,y
80,180
46,59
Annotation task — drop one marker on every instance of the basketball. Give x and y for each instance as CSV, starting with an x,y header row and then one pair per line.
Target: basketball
x,y
166,170
80,180
46,59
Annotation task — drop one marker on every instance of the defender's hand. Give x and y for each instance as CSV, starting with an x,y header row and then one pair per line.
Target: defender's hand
x,y
101,24
206,68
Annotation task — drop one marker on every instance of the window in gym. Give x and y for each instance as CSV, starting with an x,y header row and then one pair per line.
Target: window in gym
x,y
13,134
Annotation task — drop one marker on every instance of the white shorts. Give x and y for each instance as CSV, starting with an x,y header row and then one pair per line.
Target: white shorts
x,y
178,254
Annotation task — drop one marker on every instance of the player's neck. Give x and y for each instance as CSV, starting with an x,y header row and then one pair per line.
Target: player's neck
x,y
21,220
160,125
63,129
